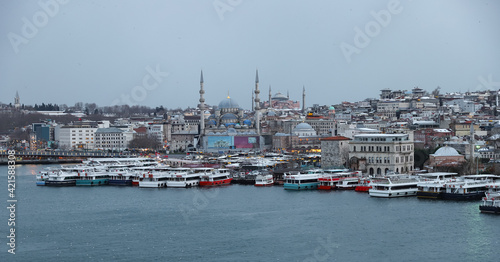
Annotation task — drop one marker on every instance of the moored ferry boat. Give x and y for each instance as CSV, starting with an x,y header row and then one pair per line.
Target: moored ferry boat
x,y
92,176
216,177
432,185
471,187
299,181
491,203
66,176
43,176
121,176
363,184
185,177
264,180
154,180
347,180
328,178
393,186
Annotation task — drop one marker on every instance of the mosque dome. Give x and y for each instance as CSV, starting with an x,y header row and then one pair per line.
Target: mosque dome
x,y
271,113
228,103
280,97
332,108
303,127
446,151
229,116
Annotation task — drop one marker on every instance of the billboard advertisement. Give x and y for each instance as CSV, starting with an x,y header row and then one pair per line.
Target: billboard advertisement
x,y
220,142
246,142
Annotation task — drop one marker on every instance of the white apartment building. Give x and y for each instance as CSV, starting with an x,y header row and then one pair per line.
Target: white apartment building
x,y
75,137
112,138
381,153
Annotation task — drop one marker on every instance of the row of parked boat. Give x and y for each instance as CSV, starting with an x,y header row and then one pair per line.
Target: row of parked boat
x,y
146,172
132,172
438,185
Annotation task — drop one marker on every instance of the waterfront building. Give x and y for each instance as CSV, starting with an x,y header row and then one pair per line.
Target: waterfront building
x,y
79,135
381,153
112,138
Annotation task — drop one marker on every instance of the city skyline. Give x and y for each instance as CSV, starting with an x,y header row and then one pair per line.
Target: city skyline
x,y
151,53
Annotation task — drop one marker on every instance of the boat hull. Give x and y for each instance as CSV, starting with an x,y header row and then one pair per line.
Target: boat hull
x,y
392,193
464,197
40,183
152,184
60,183
304,186
119,182
363,188
95,182
429,195
182,184
489,209
222,182
264,184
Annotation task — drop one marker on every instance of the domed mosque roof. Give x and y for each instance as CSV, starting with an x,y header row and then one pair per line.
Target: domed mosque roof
x,y
279,96
228,102
332,108
229,116
303,127
446,151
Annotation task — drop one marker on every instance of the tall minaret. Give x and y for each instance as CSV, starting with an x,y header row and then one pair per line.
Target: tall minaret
x,y
253,105
257,102
202,106
17,103
270,105
303,99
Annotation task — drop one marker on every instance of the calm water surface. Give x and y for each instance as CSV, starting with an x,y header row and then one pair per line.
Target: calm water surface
x,y
239,223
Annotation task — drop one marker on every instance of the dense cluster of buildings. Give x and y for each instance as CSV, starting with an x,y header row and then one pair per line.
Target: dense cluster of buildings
x,y
375,135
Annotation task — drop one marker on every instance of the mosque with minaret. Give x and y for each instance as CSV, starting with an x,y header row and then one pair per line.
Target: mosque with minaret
x,y
229,127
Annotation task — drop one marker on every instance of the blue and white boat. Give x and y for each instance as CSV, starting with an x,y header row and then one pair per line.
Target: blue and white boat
x,y
121,176
299,181
92,176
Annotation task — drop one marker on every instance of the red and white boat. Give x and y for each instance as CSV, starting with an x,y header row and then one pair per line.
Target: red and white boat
x,y
339,180
217,177
348,180
363,184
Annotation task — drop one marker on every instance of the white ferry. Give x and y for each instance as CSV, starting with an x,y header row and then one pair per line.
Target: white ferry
x,y
471,187
43,176
299,181
393,186
155,177
491,203
348,180
217,177
432,185
66,176
264,180
185,177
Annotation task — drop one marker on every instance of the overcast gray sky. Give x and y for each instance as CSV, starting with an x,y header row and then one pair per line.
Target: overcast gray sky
x,y
151,52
